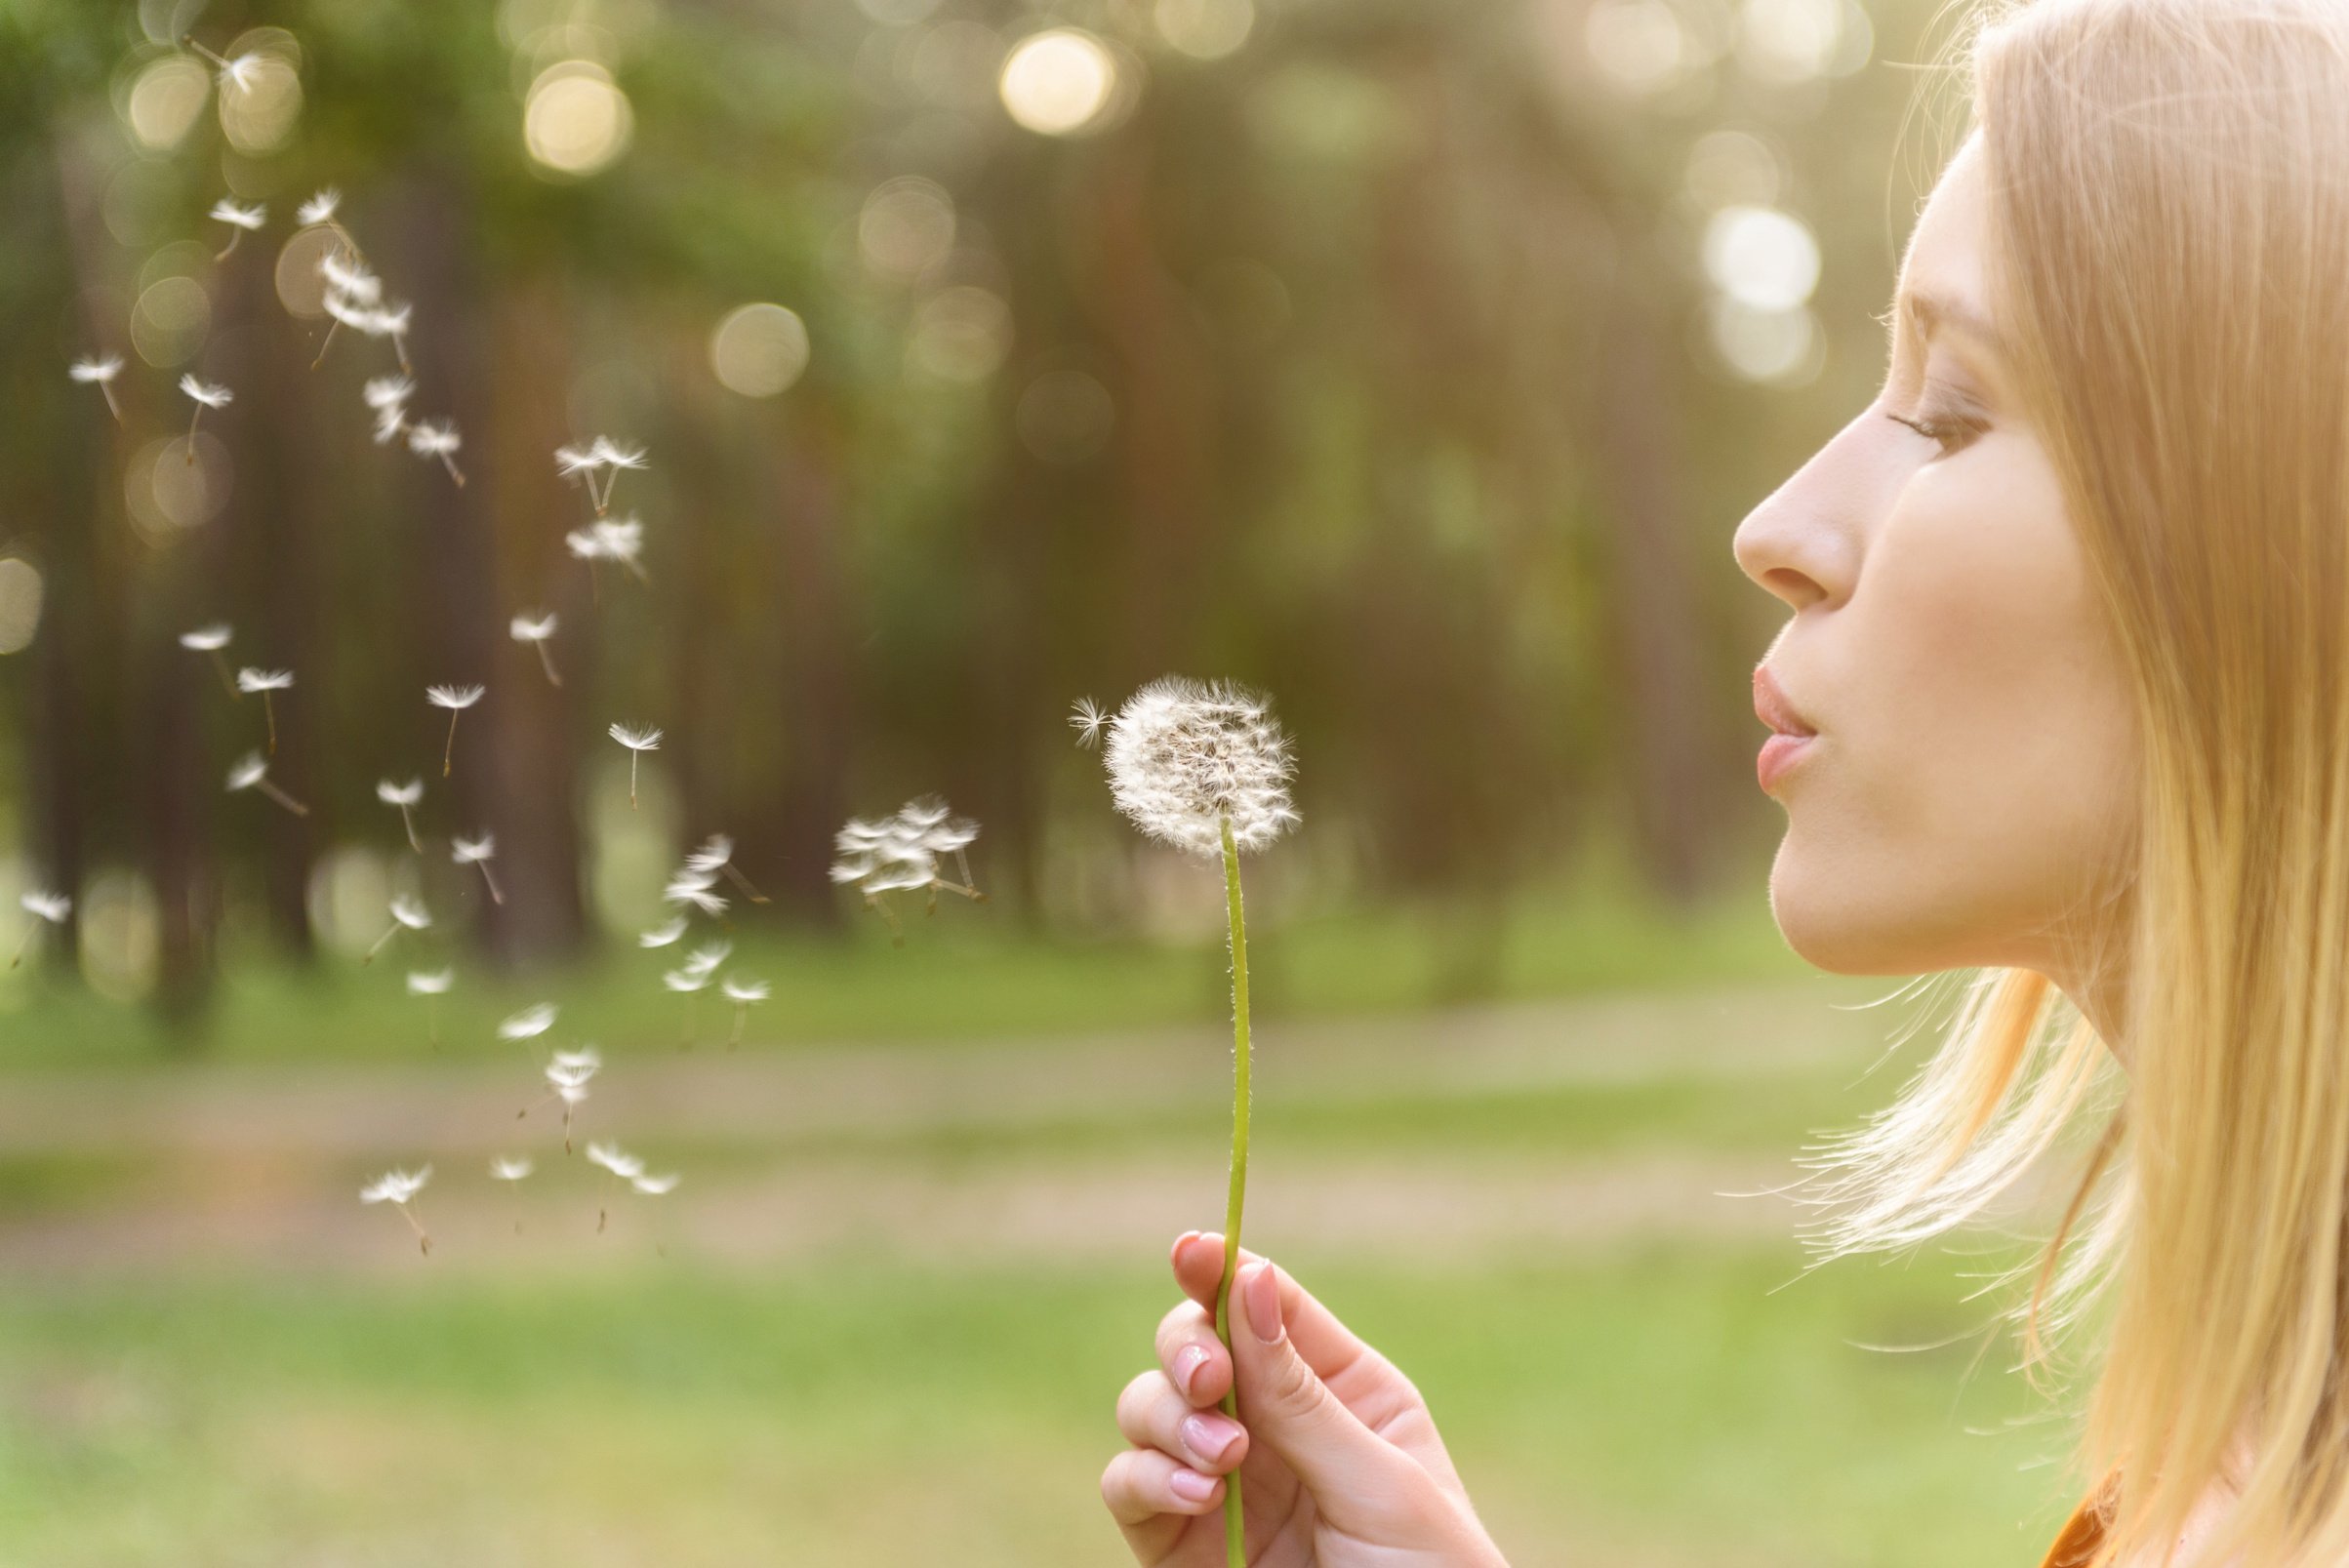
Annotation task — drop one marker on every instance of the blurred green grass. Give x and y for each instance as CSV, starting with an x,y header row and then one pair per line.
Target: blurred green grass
x,y
1664,1401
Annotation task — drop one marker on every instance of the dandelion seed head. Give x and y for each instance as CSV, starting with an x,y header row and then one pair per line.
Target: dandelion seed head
x,y
100,371
474,851
395,1186
226,210
319,208
248,770
53,908
636,739
530,1022
533,628
410,912
662,936
612,1157
206,640
399,794
249,679
455,699
654,1186
1088,718
745,992
512,1167
431,982
209,393
1184,755
434,438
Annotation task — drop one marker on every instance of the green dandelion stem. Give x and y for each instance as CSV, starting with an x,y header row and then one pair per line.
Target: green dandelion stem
x,y
1234,1553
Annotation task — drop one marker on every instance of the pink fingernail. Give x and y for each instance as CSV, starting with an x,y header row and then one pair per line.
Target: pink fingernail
x,y
1187,1366
1191,1486
1263,1305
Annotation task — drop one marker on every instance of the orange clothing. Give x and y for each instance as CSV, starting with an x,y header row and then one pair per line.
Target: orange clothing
x,y
2080,1532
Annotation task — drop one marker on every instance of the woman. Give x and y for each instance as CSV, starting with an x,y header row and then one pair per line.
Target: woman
x,y
2070,641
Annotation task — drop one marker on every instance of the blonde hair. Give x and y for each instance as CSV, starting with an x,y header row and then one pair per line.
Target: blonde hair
x,y
2169,254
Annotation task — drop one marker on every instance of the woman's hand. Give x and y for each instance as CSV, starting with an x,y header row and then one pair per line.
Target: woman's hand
x,y
1339,1463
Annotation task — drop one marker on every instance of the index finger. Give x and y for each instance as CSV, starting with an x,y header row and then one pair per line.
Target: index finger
x,y
1327,1345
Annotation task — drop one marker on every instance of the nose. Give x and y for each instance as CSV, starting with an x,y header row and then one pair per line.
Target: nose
x,y
1800,544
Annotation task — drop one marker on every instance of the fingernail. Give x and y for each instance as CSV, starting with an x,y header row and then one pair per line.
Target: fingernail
x,y
1191,1486
1263,1305
1208,1438
1188,1365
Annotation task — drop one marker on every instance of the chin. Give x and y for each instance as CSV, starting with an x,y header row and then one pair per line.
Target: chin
x,y
1831,928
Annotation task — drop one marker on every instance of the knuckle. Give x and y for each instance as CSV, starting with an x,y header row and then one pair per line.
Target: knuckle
x,y
1292,1384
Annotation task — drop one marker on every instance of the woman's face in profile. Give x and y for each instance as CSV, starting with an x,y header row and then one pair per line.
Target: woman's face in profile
x,y
1975,761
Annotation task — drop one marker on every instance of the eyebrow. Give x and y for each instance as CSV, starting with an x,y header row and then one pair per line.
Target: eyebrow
x,y
1931,310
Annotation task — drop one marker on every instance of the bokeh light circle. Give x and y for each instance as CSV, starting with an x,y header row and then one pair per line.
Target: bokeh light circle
x,y
576,120
20,603
759,349
1058,82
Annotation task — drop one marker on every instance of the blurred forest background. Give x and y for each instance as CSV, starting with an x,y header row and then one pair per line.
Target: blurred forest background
x,y
1411,360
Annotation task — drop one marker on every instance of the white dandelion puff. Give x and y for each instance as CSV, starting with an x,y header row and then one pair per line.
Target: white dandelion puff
x,y
437,439
348,278
1087,717
715,857
689,982
531,1023
621,1164
99,373
404,797
638,741
399,1188
455,699
239,219
900,854
252,772
745,994
662,936
1190,761
265,681
654,1186
478,852
567,1074
601,456
536,631
45,909
205,395
512,1167
388,396
705,960
320,208
408,914
688,888
432,985
209,641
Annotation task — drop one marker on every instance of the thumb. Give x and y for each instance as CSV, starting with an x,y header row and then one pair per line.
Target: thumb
x,y
1357,1476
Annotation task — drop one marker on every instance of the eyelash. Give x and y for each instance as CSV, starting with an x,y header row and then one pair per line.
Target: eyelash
x,y
1938,432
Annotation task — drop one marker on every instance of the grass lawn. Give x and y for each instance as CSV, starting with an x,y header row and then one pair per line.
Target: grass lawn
x,y
1659,1407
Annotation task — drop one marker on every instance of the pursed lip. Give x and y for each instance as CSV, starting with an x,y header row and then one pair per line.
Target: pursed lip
x,y
1774,708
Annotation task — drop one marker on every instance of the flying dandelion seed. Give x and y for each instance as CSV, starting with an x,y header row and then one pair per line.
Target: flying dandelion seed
x,y
900,854
705,960
621,1164
206,394
536,631
478,852
319,209
609,539
407,914
512,1167
371,320
404,797
745,994
99,373
239,74
455,699
601,456
210,640
1205,768
662,936
1087,717
530,1022
437,439
688,887
252,772
351,294
638,741
240,222
45,909
567,1074
265,681
690,981
715,857
389,396
654,1186
398,1188
432,985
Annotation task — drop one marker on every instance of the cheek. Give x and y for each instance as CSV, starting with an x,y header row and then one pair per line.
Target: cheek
x,y
1977,712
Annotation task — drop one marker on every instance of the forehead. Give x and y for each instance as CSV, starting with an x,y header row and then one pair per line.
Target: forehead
x,y
1945,255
